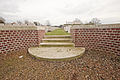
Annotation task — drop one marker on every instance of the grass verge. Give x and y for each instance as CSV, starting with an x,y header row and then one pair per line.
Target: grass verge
x,y
57,32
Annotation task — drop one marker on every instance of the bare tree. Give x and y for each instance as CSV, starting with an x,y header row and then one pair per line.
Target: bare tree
x,y
19,22
89,23
48,23
37,23
13,23
95,21
77,21
26,22
2,20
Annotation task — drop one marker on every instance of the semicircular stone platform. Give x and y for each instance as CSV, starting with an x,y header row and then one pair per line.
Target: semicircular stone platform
x,y
56,53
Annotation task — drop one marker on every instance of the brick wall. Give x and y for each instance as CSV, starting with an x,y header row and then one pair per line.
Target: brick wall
x,y
101,37
15,38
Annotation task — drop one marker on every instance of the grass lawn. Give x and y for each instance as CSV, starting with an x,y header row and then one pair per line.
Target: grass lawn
x,y
57,32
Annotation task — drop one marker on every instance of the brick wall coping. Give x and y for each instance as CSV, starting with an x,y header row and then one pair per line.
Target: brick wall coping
x,y
21,28
96,26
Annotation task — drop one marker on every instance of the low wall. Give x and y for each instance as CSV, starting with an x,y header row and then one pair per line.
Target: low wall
x,y
18,37
100,37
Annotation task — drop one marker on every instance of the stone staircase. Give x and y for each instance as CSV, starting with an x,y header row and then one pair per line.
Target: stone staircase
x,y
57,41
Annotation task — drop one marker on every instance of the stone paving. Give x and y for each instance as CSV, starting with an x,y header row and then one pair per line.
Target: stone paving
x,y
56,52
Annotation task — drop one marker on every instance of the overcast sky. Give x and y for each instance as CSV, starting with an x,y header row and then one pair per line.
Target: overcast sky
x,y
60,11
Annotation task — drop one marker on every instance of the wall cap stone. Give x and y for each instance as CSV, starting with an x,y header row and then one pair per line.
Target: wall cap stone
x,y
96,26
12,27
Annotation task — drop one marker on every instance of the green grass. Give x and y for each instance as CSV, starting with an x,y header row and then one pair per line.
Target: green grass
x,y
57,32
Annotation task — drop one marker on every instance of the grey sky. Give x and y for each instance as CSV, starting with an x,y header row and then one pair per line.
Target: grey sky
x,y
60,11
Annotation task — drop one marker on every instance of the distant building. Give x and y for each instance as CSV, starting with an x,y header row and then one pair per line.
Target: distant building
x,y
68,25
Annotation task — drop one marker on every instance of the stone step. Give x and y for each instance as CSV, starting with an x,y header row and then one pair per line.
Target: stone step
x,y
57,40
57,36
56,44
56,53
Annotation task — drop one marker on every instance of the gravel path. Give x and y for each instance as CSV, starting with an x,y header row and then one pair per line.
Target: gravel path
x,y
91,66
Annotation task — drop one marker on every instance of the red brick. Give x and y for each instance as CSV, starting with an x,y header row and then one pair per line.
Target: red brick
x,y
13,40
89,38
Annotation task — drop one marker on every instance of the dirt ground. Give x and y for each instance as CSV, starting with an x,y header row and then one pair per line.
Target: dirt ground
x,y
92,65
